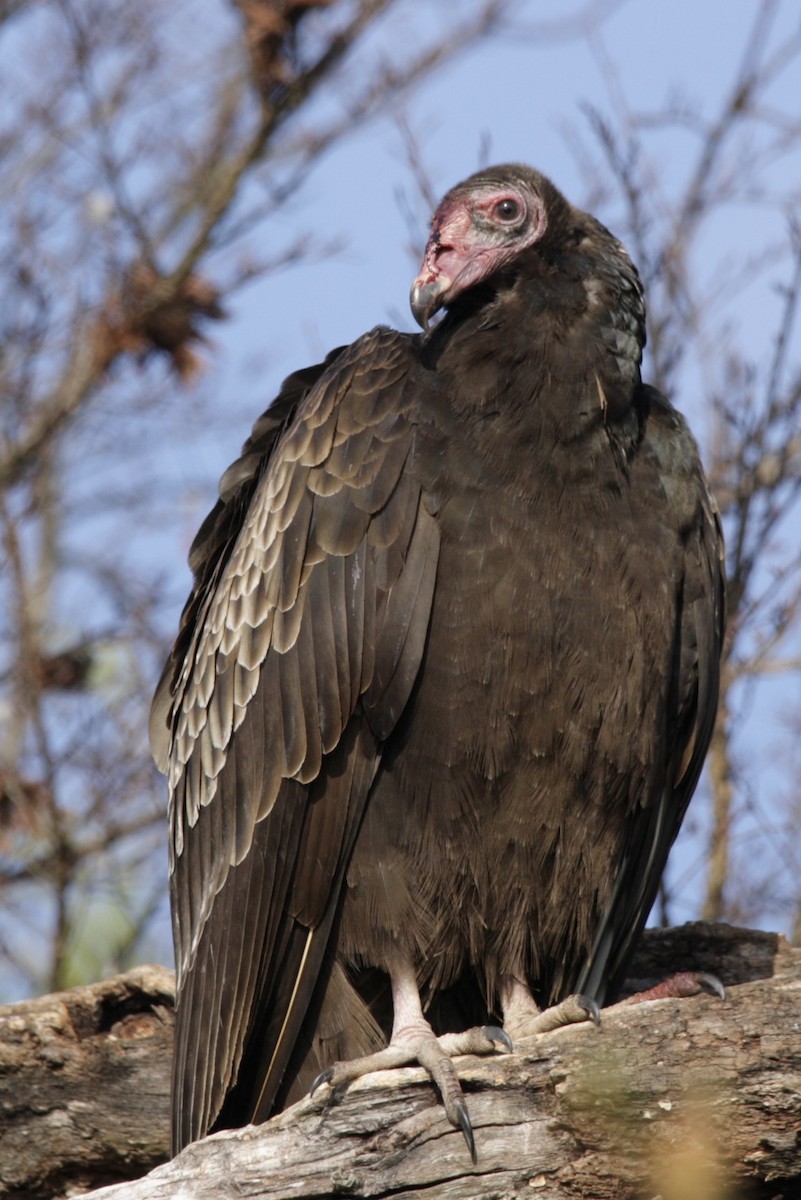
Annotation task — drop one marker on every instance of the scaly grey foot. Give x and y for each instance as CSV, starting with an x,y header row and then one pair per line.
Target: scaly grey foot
x,y
414,1041
523,1018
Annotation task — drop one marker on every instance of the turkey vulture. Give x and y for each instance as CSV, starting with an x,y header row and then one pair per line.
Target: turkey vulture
x,y
446,678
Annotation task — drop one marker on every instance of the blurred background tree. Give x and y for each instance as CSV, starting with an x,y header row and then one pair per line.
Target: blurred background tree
x,y
198,198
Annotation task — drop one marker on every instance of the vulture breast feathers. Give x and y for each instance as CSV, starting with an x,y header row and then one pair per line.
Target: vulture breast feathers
x,y
447,675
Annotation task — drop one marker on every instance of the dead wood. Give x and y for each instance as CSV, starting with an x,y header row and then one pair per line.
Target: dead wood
x,y
679,1099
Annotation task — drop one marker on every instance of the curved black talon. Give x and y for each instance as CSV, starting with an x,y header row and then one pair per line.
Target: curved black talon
x,y
324,1077
590,1007
467,1130
494,1033
710,983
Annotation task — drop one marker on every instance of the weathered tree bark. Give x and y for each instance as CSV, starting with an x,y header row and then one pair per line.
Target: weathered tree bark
x,y
681,1099
85,1085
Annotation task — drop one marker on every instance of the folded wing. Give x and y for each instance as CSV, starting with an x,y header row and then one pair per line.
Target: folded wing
x,y
298,651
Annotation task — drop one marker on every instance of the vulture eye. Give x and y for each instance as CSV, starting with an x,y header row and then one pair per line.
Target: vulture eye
x,y
508,210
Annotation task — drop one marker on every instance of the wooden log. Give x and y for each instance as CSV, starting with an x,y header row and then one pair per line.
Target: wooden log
x,y
85,1085
683,1099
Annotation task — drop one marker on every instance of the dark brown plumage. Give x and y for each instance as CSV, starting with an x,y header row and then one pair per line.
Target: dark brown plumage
x,y
447,676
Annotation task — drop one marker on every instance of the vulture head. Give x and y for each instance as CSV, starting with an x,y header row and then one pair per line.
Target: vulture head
x,y
510,221
480,227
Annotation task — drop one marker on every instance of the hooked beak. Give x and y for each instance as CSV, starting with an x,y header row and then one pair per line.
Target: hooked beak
x,y
427,297
446,262
434,279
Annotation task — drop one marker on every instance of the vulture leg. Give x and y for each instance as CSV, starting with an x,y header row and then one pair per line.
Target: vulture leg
x,y
522,1017
684,983
414,1041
